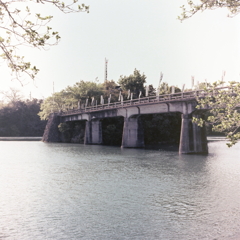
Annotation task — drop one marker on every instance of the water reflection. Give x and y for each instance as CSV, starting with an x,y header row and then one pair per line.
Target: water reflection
x,y
67,191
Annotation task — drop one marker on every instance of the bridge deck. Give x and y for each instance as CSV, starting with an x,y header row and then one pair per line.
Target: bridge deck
x,y
136,102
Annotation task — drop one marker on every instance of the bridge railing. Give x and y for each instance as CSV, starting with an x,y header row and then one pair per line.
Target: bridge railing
x,y
139,101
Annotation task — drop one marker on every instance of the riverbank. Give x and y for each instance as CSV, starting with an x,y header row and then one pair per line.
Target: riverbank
x,y
20,138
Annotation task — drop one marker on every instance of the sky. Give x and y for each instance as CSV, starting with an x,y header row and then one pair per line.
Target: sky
x,y
141,34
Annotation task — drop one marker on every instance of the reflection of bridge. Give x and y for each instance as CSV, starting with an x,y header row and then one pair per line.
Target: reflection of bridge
x,y
192,138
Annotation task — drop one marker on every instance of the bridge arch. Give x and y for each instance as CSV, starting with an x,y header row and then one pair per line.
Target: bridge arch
x,y
162,130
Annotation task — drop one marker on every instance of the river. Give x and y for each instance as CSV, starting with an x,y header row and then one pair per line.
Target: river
x,y
69,191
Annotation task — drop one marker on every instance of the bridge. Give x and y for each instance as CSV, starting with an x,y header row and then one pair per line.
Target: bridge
x,y
192,138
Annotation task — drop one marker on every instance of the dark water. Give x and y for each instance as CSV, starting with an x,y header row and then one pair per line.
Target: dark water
x,y
66,191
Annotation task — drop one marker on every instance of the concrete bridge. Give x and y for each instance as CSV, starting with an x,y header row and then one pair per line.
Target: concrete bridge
x,y
192,138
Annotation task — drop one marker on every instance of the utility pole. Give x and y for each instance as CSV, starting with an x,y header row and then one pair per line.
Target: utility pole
x,y
106,62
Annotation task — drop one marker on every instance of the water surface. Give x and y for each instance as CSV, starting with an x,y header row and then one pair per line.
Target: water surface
x,y
71,191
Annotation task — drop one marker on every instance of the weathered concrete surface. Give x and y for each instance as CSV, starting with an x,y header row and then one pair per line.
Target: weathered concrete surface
x,y
51,132
183,106
199,138
193,139
93,132
133,135
186,137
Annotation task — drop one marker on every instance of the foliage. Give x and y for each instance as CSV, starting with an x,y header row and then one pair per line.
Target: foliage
x,y
134,82
157,130
12,95
63,127
151,90
20,26
72,131
164,88
54,103
85,89
232,5
20,118
81,91
71,97
223,104
112,131
111,89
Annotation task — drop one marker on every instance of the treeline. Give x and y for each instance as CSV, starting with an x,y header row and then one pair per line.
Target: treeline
x,y
20,118
85,93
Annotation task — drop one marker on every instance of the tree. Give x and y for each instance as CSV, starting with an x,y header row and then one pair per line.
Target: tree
x,y
151,90
134,82
71,97
223,105
83,90
232,5
19,118
55,103
20,26
12,95
164,88
111,88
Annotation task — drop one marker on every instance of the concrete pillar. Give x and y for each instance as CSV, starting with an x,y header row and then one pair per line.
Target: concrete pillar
x,y
193,138
133,133
93,132
199,138
186,137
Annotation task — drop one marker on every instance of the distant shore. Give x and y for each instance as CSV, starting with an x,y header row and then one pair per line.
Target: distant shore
x,y
20,138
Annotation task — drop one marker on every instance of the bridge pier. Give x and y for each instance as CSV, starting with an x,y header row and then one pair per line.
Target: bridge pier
x,y
133,134
93,132
193,138
200,138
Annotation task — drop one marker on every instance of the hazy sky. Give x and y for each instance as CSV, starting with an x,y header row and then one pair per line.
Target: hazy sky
x,y
141,34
